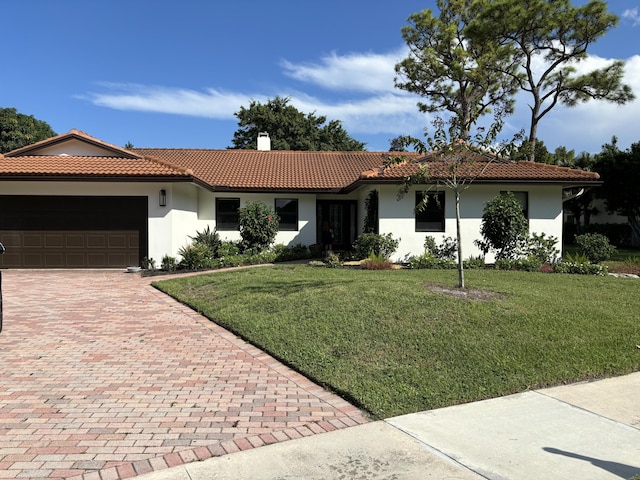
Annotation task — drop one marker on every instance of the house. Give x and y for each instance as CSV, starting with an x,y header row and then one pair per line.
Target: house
x,y
75,201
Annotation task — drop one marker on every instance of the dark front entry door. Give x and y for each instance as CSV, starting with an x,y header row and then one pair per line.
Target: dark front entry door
x,y
340,215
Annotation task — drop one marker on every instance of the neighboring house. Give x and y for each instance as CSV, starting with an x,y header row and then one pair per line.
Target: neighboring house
x,y
74,201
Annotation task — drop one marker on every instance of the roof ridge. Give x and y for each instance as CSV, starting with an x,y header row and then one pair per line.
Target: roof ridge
x,y
177,168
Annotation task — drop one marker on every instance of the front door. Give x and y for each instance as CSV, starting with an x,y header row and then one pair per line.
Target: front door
x,y
340,216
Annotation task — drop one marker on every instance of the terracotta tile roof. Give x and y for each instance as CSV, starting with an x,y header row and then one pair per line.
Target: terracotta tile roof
x,y
482,168
71,134
71,166
272,170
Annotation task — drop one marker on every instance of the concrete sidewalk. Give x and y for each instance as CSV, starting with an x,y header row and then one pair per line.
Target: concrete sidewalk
x,y
581,431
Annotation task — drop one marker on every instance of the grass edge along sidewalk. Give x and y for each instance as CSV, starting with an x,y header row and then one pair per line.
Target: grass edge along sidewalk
x,y
392,344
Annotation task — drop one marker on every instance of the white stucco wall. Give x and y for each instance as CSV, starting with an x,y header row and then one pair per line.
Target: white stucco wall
x,y
397,216
306,233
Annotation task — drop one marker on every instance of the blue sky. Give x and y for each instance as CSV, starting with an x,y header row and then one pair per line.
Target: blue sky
x,y
162,73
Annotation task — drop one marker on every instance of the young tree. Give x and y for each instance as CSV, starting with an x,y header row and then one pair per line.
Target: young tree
x,y
560,34
620,173
458,164
453,71
18,130
290,129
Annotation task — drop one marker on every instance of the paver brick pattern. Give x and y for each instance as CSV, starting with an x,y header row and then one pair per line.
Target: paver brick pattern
x,y
105,377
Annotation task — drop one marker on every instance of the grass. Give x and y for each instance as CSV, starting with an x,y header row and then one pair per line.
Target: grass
x,y
392,346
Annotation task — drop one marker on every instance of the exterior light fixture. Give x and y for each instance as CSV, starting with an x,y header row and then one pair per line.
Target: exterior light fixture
x,y
163,198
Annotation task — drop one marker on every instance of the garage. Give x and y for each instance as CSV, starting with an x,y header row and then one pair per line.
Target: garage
x,y
73,231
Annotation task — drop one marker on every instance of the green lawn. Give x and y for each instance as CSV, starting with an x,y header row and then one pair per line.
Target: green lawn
x,y
392,346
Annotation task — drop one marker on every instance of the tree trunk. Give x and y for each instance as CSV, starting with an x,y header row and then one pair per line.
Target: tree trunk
x,y
459,239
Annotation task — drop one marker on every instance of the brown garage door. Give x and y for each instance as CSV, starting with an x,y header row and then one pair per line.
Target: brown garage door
x,y
70,249
72,232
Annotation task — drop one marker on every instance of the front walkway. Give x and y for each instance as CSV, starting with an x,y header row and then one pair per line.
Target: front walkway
x,y
104,377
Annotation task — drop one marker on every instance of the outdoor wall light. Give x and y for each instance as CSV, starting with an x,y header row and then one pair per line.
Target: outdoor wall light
x,y
163,198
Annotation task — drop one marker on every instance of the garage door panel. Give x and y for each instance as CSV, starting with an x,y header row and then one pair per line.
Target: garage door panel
x,y
70,249
32,240
53,240
74,240
96,241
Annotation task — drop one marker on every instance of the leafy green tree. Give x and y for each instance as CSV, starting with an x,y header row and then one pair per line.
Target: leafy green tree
x,y
559,33
18,130
290,129
504,227
620,173
452,70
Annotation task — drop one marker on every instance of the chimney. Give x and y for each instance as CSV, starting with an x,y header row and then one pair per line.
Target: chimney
x,y
264,142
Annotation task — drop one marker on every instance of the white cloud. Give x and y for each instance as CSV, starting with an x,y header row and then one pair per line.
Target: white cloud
x,y
211,103
368,72
632,15
374,106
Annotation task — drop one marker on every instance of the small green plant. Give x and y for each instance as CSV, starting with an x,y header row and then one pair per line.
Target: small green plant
x,y
542,247
258,225
209,238
168,263
428,260
228,249
148,263
333,261
595,246
472,263
196,256
284,253
376,262
366,243
447,250
584,268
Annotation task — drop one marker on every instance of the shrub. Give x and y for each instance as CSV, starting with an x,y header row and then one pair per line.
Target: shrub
x,y
584,268
376,262
366,243
196,256
542,248
595,247
168,263
227,249
504,226
258,225
448,249
474,263
284,253
529,264
209,238
148,263
428,260
333,261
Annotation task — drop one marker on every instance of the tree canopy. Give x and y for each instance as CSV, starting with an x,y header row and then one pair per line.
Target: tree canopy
x,y
290,129
560,34
452,70
620,173
18,130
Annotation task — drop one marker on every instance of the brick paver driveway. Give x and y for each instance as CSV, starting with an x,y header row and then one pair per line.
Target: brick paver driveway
x,y
104,377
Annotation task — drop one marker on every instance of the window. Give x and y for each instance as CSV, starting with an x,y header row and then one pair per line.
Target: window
x,y
431,217
287,210
523,199
227,214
